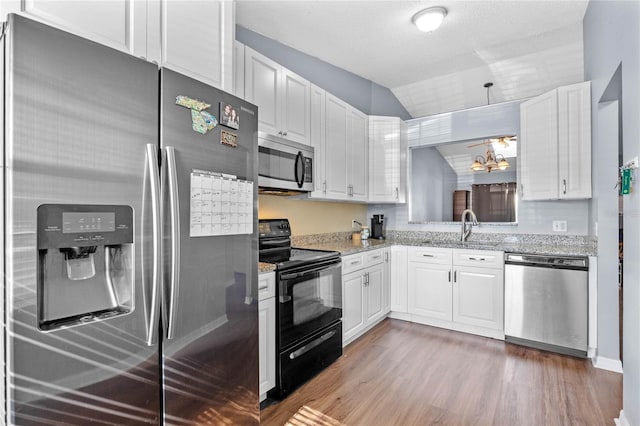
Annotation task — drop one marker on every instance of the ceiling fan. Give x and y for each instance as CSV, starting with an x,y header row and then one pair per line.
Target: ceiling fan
x,y
502,140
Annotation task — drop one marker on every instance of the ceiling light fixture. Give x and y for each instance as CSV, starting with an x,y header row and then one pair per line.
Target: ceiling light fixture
x,y
490,163
429,19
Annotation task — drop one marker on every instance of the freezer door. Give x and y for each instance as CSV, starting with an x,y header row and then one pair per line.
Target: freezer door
x,y
78,119
210,351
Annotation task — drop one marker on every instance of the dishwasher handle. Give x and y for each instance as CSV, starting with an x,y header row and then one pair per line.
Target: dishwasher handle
x,y
579,263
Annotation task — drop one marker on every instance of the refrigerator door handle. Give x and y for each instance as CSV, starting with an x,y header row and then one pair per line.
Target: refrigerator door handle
x,y
174,208
154,176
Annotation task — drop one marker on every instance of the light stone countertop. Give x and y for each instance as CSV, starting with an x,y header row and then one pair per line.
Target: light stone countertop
x,y
347,247
266,267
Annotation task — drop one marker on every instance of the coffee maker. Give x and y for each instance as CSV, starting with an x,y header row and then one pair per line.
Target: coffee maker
x,y
377,222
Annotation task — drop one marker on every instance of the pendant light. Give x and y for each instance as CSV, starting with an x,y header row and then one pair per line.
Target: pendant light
x,y
492,161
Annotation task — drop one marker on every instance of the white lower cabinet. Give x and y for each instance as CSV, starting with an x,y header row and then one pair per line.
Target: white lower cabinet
x,y
398,282
267,331
364,293
457,289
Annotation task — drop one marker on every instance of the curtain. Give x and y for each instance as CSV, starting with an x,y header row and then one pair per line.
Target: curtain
x,y
495,202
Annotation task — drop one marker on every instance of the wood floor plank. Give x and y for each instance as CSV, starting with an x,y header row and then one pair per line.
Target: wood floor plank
x,y
410,374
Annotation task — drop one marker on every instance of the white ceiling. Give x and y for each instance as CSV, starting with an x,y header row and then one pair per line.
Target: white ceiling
x,y
524,47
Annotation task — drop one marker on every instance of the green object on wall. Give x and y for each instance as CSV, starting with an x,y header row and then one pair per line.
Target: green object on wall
x,y
625,187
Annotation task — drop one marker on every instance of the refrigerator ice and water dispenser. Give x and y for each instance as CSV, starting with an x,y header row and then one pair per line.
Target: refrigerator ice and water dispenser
x,y
85,263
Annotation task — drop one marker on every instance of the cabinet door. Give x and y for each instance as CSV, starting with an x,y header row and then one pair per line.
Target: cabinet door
x,y
574,140
353,318
267,344
358,155
197,40
539,147
317,139
478,297
121,24
430,290
261,86
375,293
336,144
384,159
238,69
398,279
295,103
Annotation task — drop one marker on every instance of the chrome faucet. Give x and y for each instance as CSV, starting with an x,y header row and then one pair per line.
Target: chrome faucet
x,y
464,234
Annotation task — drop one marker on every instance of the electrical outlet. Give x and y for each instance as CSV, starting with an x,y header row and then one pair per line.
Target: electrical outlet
x,y
559,226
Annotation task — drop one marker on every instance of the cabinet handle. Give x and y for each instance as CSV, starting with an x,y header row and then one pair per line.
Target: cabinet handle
x,y
386,256
284,133
564,186
263,287
280,133
377,256
397,193
324,186
427,255
354,262
449,276
521,190
482,259
455,276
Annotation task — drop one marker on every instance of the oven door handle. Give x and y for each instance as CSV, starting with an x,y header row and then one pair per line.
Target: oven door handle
x,y
294,275
306,348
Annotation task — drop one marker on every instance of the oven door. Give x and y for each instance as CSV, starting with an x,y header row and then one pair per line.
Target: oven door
x,y
309,299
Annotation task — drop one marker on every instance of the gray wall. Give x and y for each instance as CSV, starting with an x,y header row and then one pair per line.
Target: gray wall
x,y
432,185
612,40
365,95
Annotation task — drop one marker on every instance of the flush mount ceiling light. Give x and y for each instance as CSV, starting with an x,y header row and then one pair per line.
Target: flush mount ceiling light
x,y
429,19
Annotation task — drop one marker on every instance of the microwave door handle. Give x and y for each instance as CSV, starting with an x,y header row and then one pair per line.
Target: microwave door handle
x,y
300,164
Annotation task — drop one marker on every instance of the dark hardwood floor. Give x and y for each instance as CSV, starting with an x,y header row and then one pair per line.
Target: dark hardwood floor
x,y
410,374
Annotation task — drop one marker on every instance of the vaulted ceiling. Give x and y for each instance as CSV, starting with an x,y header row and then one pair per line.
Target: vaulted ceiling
x,y
524,47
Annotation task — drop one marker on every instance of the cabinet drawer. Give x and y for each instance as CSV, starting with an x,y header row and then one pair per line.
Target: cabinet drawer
x,y
441,256
374,257
478,258
353,262
266,285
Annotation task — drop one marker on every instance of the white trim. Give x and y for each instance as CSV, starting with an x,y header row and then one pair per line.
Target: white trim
x,y
622,420
602,363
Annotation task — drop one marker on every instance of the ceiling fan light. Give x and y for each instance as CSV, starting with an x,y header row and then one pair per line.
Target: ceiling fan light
x,y
429,19
503,164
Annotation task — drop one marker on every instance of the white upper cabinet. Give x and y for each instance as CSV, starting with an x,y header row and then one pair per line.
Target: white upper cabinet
x,y
358,170
336,134
318,140
345,154
282,96
555,144
574,140
191,37
121,24
238,69
387,160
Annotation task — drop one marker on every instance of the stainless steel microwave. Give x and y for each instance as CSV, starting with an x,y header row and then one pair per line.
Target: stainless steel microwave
x,y
284,167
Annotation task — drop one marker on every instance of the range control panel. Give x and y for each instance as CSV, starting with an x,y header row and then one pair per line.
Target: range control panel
x,y
274,228
79,225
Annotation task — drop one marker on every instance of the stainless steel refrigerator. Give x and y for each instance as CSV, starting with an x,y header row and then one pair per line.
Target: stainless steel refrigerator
x,y
130,245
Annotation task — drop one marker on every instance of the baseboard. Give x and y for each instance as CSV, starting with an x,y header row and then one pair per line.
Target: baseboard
x,y
622,420
609,364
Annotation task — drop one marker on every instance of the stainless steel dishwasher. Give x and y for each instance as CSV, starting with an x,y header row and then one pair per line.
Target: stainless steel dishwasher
x,y
546,302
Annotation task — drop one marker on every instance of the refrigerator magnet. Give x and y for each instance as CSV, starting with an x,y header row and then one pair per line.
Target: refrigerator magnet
x,y
229,139
229,116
